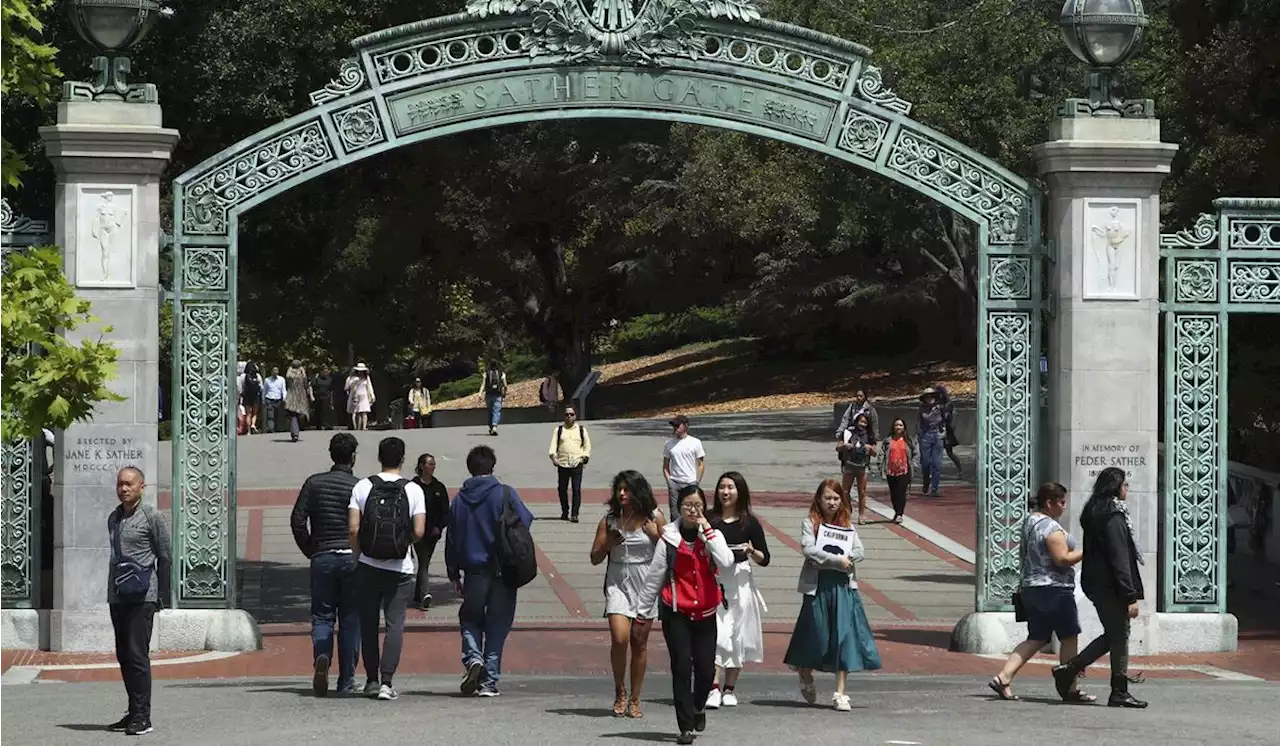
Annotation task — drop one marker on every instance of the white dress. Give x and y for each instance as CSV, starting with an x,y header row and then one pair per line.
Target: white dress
x,y
624,575
739,622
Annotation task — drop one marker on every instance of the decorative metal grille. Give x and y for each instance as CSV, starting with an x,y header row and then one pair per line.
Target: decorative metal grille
x,y
772,66
23,460
1227,263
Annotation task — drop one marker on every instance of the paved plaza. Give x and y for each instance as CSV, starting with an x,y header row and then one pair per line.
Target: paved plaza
x,y
908,711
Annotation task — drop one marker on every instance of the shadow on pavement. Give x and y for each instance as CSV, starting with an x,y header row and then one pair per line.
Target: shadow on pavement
x,y
641,735
83,727
583,712
794,704
925,638
938,578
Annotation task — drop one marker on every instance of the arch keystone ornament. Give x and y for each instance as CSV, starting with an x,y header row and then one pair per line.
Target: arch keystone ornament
x,y
716,63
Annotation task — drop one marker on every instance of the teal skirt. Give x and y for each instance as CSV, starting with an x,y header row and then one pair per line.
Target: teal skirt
x,y
832,633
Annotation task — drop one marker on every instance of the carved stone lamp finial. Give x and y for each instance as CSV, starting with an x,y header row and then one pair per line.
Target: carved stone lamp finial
x,y
1104,34
112,27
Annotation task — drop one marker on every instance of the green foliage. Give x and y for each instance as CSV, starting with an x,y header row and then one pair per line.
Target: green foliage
x,y
27,69
653,333
519,366
63,382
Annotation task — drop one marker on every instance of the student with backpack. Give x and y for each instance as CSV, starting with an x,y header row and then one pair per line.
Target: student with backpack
x,y
570,451
494,387
386,515
489,553
684,576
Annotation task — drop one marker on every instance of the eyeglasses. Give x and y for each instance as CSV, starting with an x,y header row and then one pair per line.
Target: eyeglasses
x,y
691,506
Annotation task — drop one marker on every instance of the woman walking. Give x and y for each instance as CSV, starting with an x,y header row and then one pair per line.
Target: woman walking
x,y
739,629
931,431
419,403
1111,580
949,439
683,576
360,397
896,454
832,633
1047,590
626,537
297,398
252,396
856,447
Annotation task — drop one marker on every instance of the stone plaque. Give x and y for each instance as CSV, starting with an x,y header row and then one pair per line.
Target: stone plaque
x,y
665,90
105,234
90,454
1089,458
1110,250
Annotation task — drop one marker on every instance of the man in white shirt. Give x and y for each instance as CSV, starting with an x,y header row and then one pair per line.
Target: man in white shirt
x,y
273,398
683,461
387,514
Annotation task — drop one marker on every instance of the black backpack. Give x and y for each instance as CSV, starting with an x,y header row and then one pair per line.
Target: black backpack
x,y
493,381
386,528
513,549
582,436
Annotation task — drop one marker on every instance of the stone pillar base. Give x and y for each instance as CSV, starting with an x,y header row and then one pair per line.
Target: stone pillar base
x,y
24,629
1196,633
227,630
81,631
987,633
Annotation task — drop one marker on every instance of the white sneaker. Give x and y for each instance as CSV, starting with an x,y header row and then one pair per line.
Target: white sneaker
x,y
488,693
713,700
841,702
386,692
729,699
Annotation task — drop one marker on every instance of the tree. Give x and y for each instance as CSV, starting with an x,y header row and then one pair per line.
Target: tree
x,y
28,69
48,381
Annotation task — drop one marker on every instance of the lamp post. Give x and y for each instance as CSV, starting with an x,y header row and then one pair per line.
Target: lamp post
x,y
1104,34
112,27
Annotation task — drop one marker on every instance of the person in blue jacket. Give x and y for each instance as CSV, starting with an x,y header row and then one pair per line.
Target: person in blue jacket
x,y
488,604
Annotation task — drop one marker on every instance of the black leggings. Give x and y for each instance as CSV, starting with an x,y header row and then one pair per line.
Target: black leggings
x,y
692,646
898,493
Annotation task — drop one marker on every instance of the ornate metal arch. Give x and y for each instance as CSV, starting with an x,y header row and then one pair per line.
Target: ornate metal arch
x,y
23,459
709,62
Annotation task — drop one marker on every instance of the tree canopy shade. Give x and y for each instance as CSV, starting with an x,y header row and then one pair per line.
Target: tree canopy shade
x,y
27,69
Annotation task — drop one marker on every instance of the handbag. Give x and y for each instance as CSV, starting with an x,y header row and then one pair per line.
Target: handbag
x,y
132,581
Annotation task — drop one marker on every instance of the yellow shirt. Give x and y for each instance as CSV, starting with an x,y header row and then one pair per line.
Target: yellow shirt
x,y
574,445
420,401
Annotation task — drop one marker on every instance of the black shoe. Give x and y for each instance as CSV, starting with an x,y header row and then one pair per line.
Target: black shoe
x,y
685,737
700,721
564,516
471,680
320,681
120,725
139,726
1064,677
573,519
425,604
1120,696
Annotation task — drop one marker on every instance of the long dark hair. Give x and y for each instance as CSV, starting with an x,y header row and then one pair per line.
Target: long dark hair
x,y
870,429
744,496
250,370
1108,484
641,494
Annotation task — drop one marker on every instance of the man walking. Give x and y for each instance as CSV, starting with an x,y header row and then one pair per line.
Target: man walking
x,y
319,523
437,498
494,388
570,451
321,388
488,603
683,462
273,391
138,582
386,515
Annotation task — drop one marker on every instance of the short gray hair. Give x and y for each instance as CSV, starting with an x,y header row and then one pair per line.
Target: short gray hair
x,y
141,475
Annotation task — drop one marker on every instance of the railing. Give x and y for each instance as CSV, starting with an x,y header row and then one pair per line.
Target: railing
x,y
584,390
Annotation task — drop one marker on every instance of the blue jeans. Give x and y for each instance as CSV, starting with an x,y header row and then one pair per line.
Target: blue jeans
x,y
930,461
334,597
495,409
487,611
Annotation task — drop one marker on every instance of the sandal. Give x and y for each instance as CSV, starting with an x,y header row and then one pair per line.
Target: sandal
x,y
808,690
633,709
620,704
1075,695
1002,689
862,520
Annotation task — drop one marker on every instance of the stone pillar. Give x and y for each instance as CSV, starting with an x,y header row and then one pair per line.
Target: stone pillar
x,y
109,156
1104,177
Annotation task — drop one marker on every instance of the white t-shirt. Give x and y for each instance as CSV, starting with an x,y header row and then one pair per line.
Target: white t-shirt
x,y
683,454
417,506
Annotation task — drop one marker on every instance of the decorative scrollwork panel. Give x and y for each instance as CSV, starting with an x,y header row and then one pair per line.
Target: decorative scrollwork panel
x,y
440,54
939,169
1253,233
1254,281
1194,451
777,59
1195,281
1009,389
208,198
205,468
204,269
19,513
359,127
1009,278
863,135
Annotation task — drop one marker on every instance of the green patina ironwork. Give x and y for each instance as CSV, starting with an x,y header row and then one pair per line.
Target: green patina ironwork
x,y
23,463
707,62
1228,262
